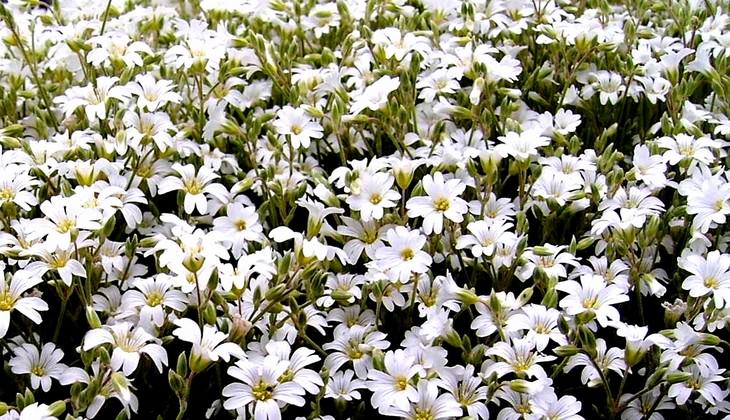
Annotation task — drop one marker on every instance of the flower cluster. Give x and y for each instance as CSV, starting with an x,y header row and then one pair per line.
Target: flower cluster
x,y
417,209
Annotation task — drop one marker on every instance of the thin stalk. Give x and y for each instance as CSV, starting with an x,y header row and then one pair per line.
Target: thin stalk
x,y
33,70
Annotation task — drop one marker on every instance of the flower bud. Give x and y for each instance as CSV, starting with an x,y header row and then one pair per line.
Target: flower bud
x,y
92,318
57,408
239,328
566,350
197,363
193,262
678,377
378,359
467,297
182,365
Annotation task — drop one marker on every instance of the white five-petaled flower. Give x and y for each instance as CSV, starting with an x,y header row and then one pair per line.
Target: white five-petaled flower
x,y
298,126
11,298
196,186
710,275
522,146
208,345
261,388
239,226
153,94
404,256
375,96
393,388
374,195
129,342
442,201
429,405
485,236
93,97
592,294
153,297
41,366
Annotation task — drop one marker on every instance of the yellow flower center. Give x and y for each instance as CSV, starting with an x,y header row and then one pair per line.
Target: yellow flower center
x,y
65,225
194,186
262,391
711,283
353,352
441,204
240,224
423,414
6,301
155,298
38,371
590,302
58,261
7,193
407,254
401,383
376,198
296,130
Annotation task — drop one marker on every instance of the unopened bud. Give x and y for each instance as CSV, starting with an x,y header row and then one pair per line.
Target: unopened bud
x,y
57,408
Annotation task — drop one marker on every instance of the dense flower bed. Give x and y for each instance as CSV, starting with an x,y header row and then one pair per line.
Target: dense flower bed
x,y
423,209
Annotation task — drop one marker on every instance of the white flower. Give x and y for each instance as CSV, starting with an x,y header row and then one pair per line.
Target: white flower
x,y
710,275
297,362
649,168
260,388
66,217
354,345
10,298
375,96
701,381
429,404
93,97
117,47
609,85
239,226
42,366
467,389
541,324
16,187
517,357
546,405
153,94
522,146
393,388
606,359
592,294
145,126
366,236
153,297
375,195
128,343
297,126
565,122
207,344
404,256
196,187
442,201
35,411
342,386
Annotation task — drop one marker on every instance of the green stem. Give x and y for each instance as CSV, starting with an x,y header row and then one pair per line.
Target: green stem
x,y
33,70
106,16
